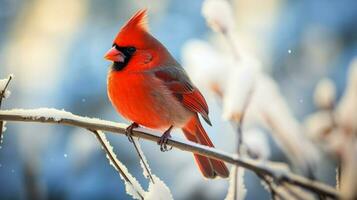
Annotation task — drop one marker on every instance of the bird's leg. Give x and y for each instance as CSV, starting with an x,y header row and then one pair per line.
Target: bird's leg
x,y
129,130
164,139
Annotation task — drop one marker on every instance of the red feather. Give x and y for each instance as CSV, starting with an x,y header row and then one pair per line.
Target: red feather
x,y
135,32
186,93
210,168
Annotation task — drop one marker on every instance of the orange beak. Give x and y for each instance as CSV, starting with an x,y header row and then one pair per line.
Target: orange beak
x,y
114,55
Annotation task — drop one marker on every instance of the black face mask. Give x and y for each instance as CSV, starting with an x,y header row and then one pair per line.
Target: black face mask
x,y
128,53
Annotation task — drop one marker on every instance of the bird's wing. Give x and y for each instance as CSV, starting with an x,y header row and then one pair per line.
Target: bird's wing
x,y
177,81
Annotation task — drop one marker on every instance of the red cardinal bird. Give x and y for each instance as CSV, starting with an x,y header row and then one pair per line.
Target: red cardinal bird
x,y
148,86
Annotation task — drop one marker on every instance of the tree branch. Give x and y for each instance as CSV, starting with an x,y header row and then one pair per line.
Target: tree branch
x,y
265,168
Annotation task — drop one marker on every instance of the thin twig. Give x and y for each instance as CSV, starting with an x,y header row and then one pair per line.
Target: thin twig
x,y
2,96
280,191
274,194
113,160
241,119
292,192
240,140
266,168
142,159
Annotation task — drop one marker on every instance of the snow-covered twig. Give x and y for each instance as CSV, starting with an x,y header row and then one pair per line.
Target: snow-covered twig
x,y
157,188
222,22
237,189
134,187
240,122
3,94
236,180
269,185
142,160
266,168
284,190
3,87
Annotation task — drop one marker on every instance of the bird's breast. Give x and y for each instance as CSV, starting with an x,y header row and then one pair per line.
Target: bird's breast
x,y
141,98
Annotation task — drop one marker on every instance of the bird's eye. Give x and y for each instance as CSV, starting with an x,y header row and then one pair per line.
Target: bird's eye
x,y
131,50
116,46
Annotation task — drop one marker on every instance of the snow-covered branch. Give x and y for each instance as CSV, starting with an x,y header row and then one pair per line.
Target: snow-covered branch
x,y
271,169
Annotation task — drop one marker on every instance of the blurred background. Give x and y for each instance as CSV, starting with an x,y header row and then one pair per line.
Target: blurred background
x,y
55,50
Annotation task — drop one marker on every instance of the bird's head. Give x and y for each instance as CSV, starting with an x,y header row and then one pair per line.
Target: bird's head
x,y
134,44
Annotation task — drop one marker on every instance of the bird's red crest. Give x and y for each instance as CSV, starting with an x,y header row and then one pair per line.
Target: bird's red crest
x,y
134,31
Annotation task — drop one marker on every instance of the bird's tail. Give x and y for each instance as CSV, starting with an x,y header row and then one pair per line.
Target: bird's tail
x,y
210,168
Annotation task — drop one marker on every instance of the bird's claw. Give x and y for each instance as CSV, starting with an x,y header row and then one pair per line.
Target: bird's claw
x,y
129,131
163,143
164,139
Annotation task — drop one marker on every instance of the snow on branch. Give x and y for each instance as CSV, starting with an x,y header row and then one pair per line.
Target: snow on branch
x,y
273,170
132,186
4,83
157,188
4,93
